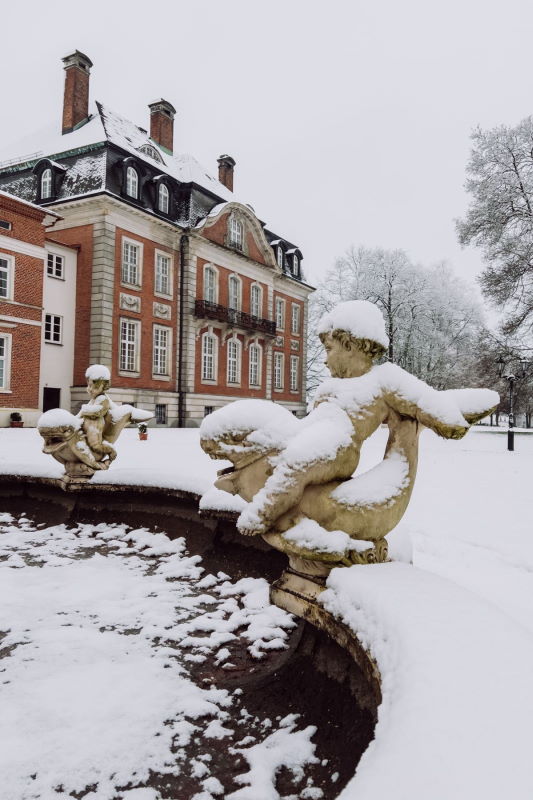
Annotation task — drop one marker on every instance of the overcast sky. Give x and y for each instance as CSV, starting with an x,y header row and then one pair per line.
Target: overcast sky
x,y
349,121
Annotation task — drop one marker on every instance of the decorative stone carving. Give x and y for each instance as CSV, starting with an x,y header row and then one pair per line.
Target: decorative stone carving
x,y
130,302
84,443
279,341
297,475
162,310
295,344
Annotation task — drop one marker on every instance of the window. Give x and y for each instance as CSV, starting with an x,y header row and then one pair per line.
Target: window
x,y
236,233
280,313
46,184
295,265
53,328
5,225
255,300
281,257
208,410
162,273
255,365
234,291
160,414
210,285
163,198
5,341
130,263
6,271
295,318
129,345
132,182
55,266
150,151
161,351
209,349
295,370
278,370
234,361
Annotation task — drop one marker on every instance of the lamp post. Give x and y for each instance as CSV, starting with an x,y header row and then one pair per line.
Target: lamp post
x,y
511,378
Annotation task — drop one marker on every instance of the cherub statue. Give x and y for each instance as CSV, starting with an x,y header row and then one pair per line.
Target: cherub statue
x,y
298,475
83,443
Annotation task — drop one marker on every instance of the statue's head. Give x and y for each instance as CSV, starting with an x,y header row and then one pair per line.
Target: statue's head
x,y
98,379
353,334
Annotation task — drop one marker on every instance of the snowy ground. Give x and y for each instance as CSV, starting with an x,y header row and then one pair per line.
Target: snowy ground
x,y
469,521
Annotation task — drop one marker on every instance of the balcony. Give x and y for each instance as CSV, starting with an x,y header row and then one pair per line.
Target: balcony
x,y
203,309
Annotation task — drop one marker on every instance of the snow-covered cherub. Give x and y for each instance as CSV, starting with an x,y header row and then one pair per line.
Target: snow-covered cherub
x,y
95,414
292,471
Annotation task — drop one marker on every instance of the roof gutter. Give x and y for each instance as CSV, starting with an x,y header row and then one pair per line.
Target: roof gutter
x,y
184,246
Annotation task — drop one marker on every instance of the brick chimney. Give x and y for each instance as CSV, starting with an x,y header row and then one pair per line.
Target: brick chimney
x,y
162,124
225,171
76,97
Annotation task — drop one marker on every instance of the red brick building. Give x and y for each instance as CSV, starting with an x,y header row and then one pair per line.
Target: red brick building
x,y
181,290
23,258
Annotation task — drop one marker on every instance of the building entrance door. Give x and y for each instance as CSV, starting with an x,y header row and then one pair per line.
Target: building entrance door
x,y
51,398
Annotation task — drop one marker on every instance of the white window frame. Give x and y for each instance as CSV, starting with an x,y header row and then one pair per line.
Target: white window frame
x,y
132,182
259,289
207,269
55,266
123,365
46,183
5,385
255,347
165,406
139,246
159,254
233,365
295,265
279,305
236,232
295,373
53,333
163,198
10,273
234,280
295,319
209,335
280,257
279,371
157,329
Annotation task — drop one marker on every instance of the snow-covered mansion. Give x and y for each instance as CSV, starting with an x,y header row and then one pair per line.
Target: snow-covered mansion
x,y
149,265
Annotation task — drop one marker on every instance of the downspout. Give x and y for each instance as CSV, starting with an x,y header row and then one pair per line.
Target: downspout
x,y
184,241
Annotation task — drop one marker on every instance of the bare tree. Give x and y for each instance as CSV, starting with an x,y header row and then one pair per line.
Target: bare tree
x,y
500,219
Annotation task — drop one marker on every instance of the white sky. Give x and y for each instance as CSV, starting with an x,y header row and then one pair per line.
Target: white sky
x,y
349,121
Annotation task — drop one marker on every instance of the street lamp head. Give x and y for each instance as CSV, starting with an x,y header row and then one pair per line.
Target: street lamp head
x,y
501,365
523,366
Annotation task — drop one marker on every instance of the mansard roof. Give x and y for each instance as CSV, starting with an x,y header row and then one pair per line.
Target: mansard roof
x,y
86,165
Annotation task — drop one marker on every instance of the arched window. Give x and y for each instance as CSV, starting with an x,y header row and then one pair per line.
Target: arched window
x,y
132,182
210,285
236,233
234,287
163,198
255,300
295,265
209,357
46,183
281,257
234,361
255,364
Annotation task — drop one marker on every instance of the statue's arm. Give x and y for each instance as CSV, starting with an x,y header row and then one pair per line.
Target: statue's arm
x,y
444,419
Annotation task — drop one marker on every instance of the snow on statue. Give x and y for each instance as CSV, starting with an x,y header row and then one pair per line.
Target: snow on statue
x,y
83,443
296,475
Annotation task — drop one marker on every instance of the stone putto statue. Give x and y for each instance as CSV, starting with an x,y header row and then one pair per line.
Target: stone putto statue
x,y
84,443
297,476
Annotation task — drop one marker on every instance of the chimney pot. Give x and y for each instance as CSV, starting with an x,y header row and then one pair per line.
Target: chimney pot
x,y
76,96
226,165
162,124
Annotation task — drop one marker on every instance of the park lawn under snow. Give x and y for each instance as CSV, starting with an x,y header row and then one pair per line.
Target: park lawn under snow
x,y
453,635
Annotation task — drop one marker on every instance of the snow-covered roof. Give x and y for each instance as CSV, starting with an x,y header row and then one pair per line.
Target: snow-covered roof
x,y
47,211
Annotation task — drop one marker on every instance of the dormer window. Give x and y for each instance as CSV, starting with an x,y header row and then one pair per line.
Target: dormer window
x,y
46,184
236,237
132,182
295,265
281,257
150,151
163,198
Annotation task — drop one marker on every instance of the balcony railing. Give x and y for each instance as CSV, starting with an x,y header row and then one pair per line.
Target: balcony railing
x,y
203,309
